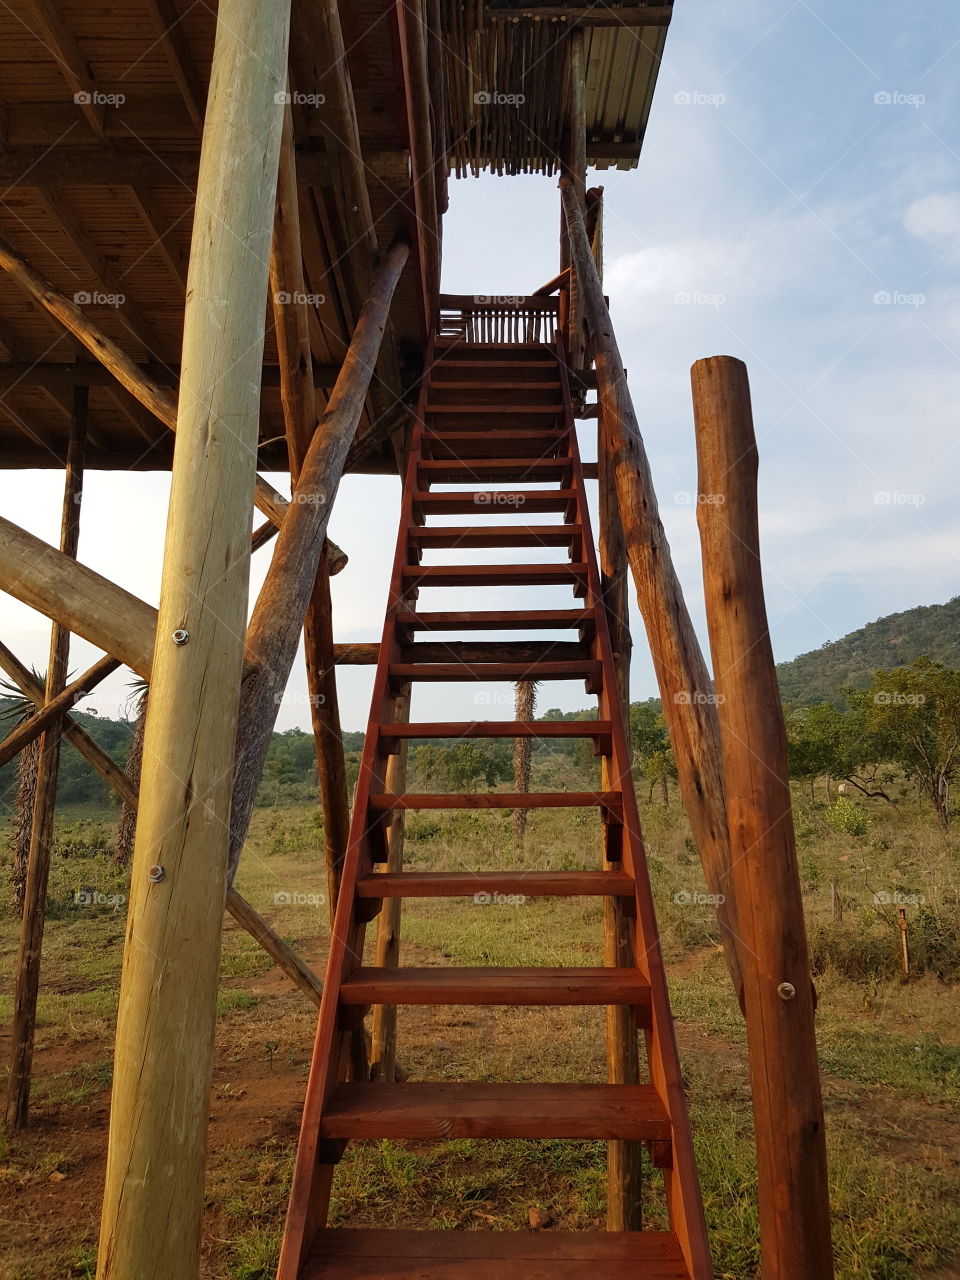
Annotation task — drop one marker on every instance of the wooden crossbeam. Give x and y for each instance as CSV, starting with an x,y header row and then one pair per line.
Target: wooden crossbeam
x,y
92,165
56,35
27,730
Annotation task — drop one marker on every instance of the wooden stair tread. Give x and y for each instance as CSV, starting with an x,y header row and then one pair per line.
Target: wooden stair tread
x,y
610,801
497,619
500,986
449,1109
529,884
473,652
493,502
495,574
505,535
553,407
498,729
374,1254
530,669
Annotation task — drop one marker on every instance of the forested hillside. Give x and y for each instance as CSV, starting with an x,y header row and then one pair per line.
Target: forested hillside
x,y
931,631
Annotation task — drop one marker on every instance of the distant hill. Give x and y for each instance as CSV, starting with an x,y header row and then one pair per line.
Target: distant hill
x,y
894,641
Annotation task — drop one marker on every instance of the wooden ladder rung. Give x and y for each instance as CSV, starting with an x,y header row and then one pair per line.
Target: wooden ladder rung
x,y
599,730
472,652
470,884
445,1109
494,502
499,620
495,575
452,672
374,1254
610,802
490,470
506,535
448,985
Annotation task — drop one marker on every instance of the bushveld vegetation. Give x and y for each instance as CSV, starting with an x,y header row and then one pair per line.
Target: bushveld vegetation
x,y
876,852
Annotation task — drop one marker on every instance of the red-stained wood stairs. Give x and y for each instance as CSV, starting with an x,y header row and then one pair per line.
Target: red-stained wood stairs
x,y
492,415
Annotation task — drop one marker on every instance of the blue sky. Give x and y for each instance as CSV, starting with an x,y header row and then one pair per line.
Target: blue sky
x,y
797,205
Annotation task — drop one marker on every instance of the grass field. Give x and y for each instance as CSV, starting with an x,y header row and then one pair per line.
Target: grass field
x,y
890,1047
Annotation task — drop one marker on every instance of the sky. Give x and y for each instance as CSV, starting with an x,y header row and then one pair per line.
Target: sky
x,y
797,204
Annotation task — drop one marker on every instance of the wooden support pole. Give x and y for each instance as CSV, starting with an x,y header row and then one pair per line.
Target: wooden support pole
x,y
278,616
411,23
27,979
159,399
685,687
576,169
777,988
624,1159
298,396
153,1197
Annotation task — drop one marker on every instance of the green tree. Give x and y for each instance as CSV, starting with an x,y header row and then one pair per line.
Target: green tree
x,y
650,746
912,714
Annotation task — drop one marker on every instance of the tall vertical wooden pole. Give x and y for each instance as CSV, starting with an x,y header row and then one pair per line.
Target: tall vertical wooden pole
x,y
777,987
624,1159
27,985
685,685
298,396
576,167
153,1198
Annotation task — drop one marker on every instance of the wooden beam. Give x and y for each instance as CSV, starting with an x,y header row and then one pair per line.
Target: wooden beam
x,y
57,36
161,402
245,915
689,703
624,1159
599,15
116,165
29,729
576,170
153,1197
166,21
278,616
777,987
27,980
83,601
298,397
411,24
63,376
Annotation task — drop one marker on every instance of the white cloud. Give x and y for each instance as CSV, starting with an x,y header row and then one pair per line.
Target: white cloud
x,y
935,217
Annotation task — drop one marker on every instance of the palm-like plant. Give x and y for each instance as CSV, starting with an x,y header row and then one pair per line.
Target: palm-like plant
x,y
127,822
17,709
526,702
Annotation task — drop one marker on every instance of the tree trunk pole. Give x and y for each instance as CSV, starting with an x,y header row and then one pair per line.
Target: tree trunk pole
x,y
624,1159
383,1050
685,686
27,985
778,991
298,394
577,171
153,1198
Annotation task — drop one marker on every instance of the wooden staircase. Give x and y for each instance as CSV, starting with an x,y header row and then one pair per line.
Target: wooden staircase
x,y
492,414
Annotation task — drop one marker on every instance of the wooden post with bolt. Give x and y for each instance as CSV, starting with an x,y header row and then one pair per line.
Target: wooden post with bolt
x,y
778,991
153,1199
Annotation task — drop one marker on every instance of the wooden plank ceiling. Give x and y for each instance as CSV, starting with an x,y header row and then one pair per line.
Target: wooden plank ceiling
x,y
101,112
